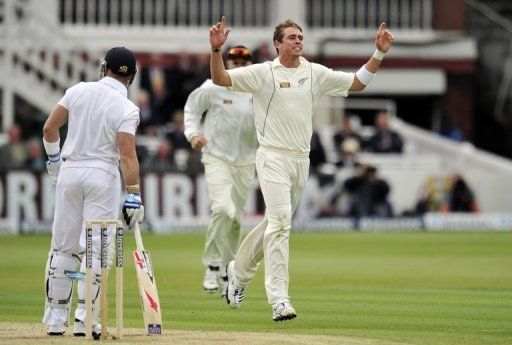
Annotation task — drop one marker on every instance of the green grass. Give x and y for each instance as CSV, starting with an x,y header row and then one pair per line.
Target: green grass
x,y
419,288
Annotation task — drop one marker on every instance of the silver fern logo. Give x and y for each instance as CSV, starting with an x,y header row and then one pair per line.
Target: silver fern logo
x,y
302,80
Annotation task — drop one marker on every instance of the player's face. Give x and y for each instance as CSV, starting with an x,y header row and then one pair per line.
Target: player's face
x,y
293,43
234,63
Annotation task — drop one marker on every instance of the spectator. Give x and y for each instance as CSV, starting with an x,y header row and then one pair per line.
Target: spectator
x,y
155,74
175,132
454,133
35,160
349,149
367,195
432,195
13,154
344,133
202,69
384,140
161,103
317,152
451,129
156,79
460,197
142,154
263,53
183,80
163,160
147,117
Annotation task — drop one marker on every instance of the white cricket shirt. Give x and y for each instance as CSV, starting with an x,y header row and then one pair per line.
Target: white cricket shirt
x,y
229,123
284,99
97,112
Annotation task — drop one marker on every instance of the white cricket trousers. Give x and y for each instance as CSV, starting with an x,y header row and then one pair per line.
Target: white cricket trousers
x,y
228,188
282,176
82,193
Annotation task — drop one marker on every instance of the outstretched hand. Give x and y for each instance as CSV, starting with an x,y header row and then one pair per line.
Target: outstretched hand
x,y
384,38
219,34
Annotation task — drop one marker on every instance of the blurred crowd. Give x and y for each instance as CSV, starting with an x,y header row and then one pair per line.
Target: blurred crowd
x,y
18,153
166,82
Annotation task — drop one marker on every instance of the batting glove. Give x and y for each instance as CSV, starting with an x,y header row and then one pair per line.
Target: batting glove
x,y
53,166
133,210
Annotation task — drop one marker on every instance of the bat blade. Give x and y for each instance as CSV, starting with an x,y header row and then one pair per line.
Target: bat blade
x,y
148,291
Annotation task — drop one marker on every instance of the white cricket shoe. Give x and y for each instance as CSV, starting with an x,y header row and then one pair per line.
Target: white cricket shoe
x,y
210,284
56,330
223,285
284,311
79,329
234,294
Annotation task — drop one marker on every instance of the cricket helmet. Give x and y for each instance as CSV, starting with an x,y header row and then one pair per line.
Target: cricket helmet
x,y
120,61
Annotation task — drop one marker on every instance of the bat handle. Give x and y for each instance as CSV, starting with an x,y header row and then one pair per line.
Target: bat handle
x,y
138,238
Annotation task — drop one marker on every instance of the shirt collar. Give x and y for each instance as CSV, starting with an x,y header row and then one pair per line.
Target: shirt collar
x,y
277,63
115,84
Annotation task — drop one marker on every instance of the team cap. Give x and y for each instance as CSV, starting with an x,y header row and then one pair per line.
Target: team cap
x,y
121,61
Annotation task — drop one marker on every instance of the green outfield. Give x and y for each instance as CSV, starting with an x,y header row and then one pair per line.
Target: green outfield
x,y
415,288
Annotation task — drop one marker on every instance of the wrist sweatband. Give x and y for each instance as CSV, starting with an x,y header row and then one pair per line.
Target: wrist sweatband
x,y
54,158
364,76
377,54
51,148
135,188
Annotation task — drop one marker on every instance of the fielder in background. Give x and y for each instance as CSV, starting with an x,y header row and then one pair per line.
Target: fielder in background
x,y
285,91
228,142
101,134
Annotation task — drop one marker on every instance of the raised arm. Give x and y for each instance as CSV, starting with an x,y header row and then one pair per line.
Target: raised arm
x,y
218,36
364,75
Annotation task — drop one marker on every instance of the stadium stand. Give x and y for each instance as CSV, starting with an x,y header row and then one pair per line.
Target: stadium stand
x,y
441,76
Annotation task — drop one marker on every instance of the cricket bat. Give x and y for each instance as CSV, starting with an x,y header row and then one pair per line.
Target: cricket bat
x,y
147,286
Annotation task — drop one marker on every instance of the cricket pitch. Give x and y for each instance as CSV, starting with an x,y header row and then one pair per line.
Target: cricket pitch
x,y
29,333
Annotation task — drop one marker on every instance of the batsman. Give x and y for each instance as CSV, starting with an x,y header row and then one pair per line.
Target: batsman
x,y
101,136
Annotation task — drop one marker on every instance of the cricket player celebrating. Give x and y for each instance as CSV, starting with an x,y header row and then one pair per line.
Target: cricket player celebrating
x,y
284,92
228,142
101,133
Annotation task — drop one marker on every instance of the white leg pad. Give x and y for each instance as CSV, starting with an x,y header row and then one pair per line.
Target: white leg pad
x,y
59,288
96,281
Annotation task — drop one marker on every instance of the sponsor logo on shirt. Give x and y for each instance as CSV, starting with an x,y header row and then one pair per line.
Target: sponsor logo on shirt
x,y
284,85
228,101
